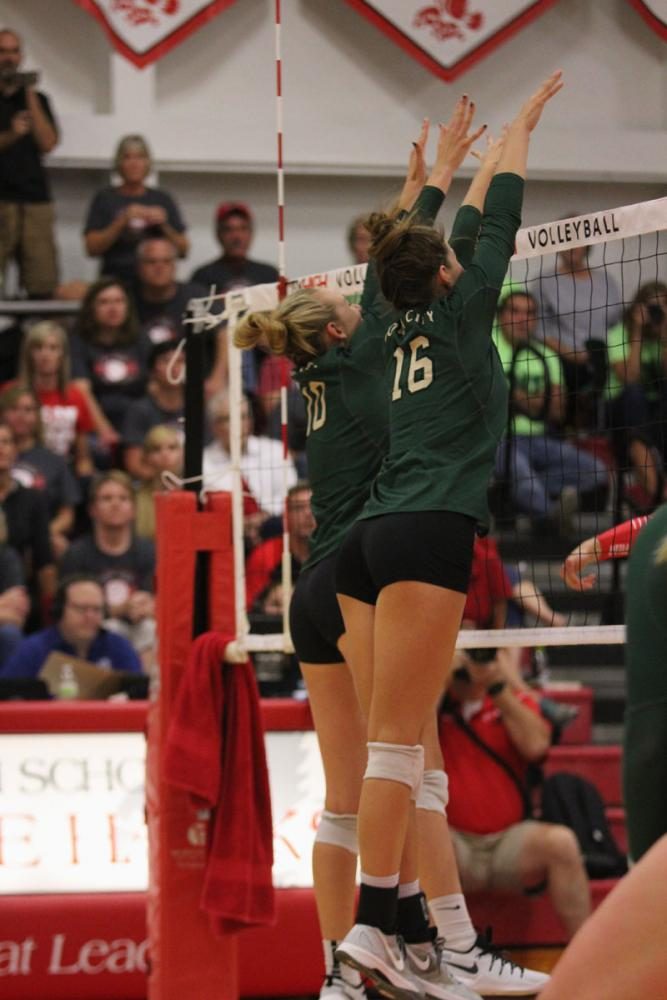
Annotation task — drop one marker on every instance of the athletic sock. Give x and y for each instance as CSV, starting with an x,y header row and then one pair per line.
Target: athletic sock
x,y
453,921
378,902
413,918
333,968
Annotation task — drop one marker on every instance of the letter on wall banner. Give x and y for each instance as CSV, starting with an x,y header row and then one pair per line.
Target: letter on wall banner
x,y
449,36
654,13
144,30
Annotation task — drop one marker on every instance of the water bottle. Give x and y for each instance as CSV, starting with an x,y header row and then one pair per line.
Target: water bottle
x,y
68,685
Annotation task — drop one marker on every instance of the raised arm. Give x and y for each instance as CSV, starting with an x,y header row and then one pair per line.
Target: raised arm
x,y
514,156
468,220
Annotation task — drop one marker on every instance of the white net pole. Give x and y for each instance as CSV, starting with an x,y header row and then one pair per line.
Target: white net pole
x,y
235,403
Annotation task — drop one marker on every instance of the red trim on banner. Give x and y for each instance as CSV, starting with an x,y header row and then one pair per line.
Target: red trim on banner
x,y
450,73
653,21
170,41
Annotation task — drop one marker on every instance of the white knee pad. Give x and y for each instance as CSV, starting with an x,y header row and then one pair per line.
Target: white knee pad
x,y
434,792
396,762
338,829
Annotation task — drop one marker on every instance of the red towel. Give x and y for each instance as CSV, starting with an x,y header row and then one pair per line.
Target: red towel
x,y
215,751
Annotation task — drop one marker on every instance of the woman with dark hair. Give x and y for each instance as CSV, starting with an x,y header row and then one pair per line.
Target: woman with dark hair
x,y
338,351
109,356
119,217
637,392
403,571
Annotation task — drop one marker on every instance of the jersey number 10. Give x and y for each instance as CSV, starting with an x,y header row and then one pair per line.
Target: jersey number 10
x,y
420,369
316,407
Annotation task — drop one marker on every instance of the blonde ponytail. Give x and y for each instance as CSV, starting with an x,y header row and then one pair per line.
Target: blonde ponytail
x,y
294,328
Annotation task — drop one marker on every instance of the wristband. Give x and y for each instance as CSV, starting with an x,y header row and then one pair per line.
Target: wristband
x,y
617,542
495,689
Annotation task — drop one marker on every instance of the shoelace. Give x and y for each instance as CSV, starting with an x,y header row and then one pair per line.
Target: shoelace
x,y
485,944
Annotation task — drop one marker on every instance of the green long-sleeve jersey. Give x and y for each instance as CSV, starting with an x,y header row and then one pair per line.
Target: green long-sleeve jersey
x,y
347,405
448,395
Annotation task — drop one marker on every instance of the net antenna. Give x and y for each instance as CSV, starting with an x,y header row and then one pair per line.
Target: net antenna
x,y
285,375
637,238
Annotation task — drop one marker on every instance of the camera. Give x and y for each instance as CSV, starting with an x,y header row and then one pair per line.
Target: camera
x,y
656,313
12,78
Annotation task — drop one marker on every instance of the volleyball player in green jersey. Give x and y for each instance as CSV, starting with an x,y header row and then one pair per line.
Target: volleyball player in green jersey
x,y
403,571
347,438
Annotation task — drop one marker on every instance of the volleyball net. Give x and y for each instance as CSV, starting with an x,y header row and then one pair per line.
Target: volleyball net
x,y
582,334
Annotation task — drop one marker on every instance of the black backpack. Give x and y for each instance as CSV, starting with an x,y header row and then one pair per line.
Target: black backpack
x,y
575,802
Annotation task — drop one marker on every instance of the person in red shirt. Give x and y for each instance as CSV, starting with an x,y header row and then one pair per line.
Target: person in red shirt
x,y
498,846
264,561
65,412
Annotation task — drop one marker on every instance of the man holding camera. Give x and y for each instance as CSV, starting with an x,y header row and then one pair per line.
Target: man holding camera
x,y
27,131
490,734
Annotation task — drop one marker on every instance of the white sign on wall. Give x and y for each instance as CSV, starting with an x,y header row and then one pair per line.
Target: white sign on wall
x,y
72,811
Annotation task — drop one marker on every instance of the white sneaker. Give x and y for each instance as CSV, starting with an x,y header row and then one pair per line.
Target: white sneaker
x,y
426,962
334,987
485,969
380,958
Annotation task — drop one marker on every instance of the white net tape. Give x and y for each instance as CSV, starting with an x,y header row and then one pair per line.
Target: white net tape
x,y
622,228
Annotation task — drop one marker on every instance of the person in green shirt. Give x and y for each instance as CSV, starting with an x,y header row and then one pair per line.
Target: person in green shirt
x,y
339,357
403,570
637,390
535,464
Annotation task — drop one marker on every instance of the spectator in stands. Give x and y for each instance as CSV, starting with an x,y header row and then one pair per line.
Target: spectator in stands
x,y
119,217
108,354
234,227
14,600
234,269
261,466
27,518
265,560
160,300
498,846
637,392
28,130
123,563
39,467
358,240
162,451
65,410
163,404
577,304
546,475
79,611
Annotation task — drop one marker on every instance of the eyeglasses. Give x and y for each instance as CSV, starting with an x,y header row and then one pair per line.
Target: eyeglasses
x,y
158,260
90,609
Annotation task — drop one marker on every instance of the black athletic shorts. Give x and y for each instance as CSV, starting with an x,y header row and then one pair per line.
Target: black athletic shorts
x,y
316,623
433,546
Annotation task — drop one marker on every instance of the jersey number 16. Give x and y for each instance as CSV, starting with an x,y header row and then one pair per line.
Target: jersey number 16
x,y
420,369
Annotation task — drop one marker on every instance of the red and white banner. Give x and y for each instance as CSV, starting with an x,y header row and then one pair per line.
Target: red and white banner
x,y
145,30
654,13
449,36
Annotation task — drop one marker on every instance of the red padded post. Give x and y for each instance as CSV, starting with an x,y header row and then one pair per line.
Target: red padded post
x,y
186,959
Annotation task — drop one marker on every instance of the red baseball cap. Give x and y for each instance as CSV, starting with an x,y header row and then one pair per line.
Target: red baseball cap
x,y
226,208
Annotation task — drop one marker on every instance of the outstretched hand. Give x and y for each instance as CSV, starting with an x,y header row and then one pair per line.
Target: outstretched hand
x,y
455,138
415,177
530,113
494,147
576,570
